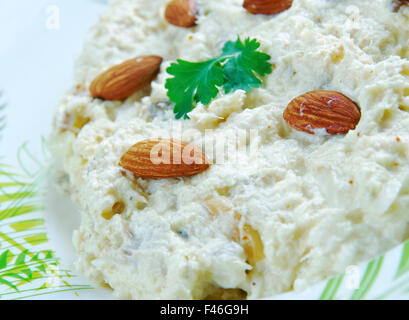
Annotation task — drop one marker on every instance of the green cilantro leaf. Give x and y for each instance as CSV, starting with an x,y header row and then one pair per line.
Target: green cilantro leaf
x,y
240,66
193,82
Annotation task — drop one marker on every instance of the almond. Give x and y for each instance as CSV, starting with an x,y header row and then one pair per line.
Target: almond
x,y
321,109
122,80
397,4
164,158
267,6
181,13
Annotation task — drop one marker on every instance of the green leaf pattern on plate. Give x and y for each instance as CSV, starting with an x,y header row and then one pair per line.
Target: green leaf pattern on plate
x,y
404,262
331,288
377,282
370,275
28,268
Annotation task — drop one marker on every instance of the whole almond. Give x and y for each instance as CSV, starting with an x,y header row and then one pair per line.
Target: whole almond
x,y
181,13
122,80
267,6
321,109
164,158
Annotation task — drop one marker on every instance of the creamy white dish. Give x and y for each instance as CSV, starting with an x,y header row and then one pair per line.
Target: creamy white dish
x,y
308,206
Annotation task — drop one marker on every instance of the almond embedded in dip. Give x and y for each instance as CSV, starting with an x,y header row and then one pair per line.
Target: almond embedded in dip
x,y
126,78
267,6
181,13
164,159
322,109
279,208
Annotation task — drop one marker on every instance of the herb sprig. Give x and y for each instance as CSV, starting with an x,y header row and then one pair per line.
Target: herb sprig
x,y
240,66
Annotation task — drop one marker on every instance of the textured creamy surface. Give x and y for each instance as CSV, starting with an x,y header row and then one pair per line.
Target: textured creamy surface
x,y
319,203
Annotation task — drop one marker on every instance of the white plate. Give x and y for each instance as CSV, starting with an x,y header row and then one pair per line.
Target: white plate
x,y
40,40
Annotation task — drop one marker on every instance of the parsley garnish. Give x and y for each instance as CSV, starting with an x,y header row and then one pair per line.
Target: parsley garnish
x,y
240,66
